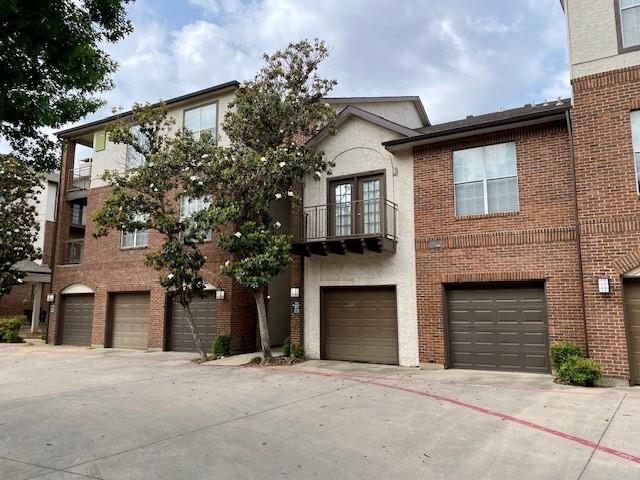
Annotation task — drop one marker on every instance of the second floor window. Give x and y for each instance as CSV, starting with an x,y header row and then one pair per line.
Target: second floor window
x,y
136,238
189,206
485,180
630,22
201,119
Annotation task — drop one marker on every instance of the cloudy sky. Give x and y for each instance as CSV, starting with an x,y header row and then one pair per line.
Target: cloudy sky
x,y
460,56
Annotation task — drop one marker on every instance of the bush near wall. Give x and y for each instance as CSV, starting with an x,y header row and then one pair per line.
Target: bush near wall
x,y
571,367
10,330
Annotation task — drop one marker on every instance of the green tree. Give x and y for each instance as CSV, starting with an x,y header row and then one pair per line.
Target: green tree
x,y
51,68
268,123
147,198
19,185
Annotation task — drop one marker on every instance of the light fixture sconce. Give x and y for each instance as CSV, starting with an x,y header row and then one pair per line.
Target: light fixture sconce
x,y
51,297
295,292
219,294
604,285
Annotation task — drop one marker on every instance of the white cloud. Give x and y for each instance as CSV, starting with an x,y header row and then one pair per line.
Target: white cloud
x,y
461,56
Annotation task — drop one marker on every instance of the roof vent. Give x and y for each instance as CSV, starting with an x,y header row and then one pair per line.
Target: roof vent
x,y
545,103
560,102
527,105
469,116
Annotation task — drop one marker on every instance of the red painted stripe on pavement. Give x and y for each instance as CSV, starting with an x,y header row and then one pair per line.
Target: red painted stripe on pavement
x,y
486,411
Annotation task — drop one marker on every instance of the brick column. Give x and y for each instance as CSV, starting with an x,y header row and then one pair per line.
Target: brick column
x,y
296,323
62,230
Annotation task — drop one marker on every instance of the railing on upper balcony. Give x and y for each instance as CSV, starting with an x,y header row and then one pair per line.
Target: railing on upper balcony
x,y
80,178
73,252
356,219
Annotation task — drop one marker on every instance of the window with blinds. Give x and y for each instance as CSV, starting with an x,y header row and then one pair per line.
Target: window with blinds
x,y
485,180
630,22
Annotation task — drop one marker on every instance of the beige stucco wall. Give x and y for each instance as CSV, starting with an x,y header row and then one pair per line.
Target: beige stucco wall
x,y
357,148
114,155
593,41
403,113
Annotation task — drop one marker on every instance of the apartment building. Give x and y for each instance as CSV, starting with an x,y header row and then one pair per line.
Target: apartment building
x,y
470,244
29,297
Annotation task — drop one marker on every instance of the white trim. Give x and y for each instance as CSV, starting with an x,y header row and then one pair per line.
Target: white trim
x,y
75,289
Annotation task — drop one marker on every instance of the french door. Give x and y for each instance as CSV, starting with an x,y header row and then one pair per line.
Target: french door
x,y
355,206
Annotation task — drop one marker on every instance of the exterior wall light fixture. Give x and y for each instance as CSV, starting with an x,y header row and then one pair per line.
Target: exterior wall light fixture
x,y
604,285
219,294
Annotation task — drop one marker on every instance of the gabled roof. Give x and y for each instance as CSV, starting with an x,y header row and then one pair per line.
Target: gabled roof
x,y
182,98
490,122
422,113
352,111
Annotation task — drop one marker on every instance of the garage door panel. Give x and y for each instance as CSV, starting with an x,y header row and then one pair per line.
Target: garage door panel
x,y
205,313
130,320
360,324
77,319
503,329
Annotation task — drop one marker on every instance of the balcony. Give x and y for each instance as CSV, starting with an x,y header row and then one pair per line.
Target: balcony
x,y
73,252
357,226
79,182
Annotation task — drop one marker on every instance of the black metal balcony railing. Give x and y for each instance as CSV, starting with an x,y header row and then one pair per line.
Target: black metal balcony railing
x,y
372,221
80,178
73,252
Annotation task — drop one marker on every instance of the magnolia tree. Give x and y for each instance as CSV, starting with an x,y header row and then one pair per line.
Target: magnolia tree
x,y
267,125
147,198
19,187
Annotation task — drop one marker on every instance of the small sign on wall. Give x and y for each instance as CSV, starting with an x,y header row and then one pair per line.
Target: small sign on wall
x,y
52,308
295,307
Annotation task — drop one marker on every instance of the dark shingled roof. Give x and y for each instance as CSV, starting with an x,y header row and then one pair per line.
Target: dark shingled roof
x,y
496,119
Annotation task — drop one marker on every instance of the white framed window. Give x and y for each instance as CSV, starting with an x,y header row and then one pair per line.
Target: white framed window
x,y
630,22
202,119
635,134
189,206
485,180
136,238
134,158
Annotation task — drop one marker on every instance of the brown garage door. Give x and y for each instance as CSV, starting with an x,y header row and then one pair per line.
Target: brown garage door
x,y
77,315
130,320
205,313
360,324
498,329
632,299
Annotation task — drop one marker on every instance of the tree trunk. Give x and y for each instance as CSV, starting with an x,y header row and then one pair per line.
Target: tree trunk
x,y
263,326
194,332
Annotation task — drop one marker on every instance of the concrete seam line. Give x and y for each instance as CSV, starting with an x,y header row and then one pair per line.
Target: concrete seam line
x,y
51,469
602,436
486,411
207,427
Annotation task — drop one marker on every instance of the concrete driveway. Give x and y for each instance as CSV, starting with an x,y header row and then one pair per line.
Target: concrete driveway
x,y
72,413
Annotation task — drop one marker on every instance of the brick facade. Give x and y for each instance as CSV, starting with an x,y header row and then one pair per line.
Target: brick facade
x,y
536,244
608,204
107,269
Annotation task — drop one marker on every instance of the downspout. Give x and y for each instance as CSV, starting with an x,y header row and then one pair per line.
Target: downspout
x,y
578,234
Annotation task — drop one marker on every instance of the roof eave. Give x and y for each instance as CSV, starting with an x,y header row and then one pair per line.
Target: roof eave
x,y
473,130
73,131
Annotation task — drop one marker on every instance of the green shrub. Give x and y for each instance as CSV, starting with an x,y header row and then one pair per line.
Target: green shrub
x,y
255,361
222,346
10,330
286,348
561,351
297,351
577,370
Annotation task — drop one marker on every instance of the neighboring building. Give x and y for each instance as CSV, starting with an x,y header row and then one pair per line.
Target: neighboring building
x,y
470,244
22,298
